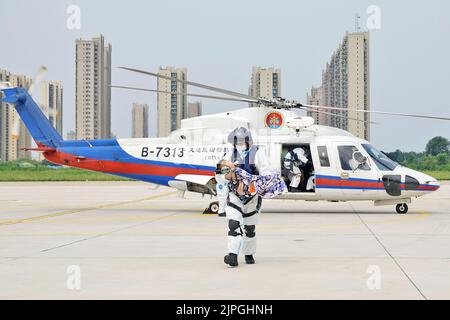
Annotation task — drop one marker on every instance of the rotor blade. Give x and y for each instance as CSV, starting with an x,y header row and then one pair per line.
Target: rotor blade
x,y
338,115
188,94
37,78
195,84
379,112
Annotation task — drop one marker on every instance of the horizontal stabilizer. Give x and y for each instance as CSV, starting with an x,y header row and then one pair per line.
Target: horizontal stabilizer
x,y
10,95
195,178
39,149
11,99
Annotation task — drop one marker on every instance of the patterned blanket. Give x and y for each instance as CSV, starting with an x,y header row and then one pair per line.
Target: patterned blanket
x,y
266,186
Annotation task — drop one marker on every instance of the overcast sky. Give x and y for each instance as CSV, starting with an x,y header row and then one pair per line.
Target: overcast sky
x,y
220,41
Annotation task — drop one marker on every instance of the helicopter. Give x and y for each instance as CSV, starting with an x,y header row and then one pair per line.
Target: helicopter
x,y
342,167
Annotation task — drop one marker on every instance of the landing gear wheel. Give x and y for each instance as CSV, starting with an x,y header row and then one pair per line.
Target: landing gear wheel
x,y
402,208
212,209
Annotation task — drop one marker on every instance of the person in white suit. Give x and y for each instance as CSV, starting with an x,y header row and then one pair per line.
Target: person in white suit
x,y
242,212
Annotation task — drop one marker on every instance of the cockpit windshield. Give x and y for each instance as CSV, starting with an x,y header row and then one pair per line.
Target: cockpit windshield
x,y
380,159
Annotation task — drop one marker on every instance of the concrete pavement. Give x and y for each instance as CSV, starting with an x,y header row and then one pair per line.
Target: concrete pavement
x,y
129,240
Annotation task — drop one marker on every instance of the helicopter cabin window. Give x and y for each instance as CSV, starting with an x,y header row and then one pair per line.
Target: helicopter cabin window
x,y
348,159
298,168
323,156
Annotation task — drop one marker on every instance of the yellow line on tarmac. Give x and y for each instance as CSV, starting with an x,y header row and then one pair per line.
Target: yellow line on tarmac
x,y
149,216
58,214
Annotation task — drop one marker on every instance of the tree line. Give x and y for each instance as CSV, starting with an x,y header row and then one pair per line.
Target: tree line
x,y
435,157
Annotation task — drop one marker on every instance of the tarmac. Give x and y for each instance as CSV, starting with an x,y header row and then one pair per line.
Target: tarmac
x,y
131,240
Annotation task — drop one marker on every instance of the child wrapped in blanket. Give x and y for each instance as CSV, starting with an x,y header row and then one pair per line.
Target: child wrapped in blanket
x,y
244,184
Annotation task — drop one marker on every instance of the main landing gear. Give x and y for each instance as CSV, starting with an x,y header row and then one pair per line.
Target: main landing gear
x,y
402,208
213,208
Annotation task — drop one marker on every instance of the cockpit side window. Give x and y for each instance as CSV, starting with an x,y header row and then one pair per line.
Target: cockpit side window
x,y
323,156
347,161
381,160
411,183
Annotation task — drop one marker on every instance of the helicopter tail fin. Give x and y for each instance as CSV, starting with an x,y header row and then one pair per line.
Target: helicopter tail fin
x,y
34,119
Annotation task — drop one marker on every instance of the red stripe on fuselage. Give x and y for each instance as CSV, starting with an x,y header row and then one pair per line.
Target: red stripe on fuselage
x,y
109,166
427,188
348,183
325,182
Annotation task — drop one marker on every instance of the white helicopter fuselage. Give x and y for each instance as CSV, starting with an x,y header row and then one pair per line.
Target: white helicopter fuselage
x,y
202,141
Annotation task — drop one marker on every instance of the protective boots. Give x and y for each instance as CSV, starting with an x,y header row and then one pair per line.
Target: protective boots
x,y
231,259
249,259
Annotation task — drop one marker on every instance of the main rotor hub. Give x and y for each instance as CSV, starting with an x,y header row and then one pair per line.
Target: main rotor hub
x,y
279,103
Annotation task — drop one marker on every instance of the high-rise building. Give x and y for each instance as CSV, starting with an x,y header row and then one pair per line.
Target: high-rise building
x,y
346,85
12,142
52,103
194,109
71,135
316,98
265,83
24,138
5,114
171,107
139,121
93,91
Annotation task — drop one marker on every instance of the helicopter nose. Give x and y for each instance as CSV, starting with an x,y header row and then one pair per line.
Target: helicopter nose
x,y
436,185
431,184
420,181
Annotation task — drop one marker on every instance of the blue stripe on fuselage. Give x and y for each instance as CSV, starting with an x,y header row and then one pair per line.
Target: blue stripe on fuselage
x,y
112,151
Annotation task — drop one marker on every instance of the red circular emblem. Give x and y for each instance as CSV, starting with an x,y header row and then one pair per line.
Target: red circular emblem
x,y
274,120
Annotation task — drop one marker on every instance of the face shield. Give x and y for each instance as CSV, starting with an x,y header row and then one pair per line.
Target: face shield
x,y
241,139
241,148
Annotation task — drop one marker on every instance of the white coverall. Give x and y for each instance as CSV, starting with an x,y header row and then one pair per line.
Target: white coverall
x,y
243,237
295,175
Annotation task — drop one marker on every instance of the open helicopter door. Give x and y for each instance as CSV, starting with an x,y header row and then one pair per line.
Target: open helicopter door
x,y
297,168
357,176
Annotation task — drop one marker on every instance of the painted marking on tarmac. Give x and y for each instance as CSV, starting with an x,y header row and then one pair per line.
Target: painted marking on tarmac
x,y
63,213
389,253
144,214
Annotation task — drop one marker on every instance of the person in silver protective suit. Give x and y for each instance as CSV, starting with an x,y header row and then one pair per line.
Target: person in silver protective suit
x,y
242,211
